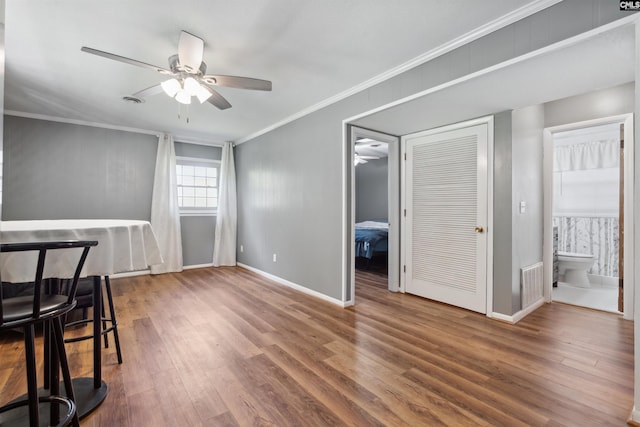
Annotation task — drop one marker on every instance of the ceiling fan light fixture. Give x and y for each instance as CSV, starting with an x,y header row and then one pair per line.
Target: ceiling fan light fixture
x,y
183,97
191,86
171,87
203,94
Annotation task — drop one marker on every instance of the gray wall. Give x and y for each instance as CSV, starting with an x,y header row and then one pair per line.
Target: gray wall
x,y
527,228
58,170
502,196
185,149
372,198
292,174
593,105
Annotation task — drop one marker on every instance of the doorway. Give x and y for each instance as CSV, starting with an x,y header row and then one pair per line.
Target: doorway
x,y
375,204
588,166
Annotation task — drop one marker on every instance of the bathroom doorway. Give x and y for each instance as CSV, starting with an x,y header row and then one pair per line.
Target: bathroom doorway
x,y
588,215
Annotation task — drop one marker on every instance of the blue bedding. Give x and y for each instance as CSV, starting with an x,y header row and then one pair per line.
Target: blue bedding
x,y
368,238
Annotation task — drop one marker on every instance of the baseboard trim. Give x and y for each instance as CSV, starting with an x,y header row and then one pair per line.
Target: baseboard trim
x,y
515,318
191,267
633,417
292,285
145,272
130,274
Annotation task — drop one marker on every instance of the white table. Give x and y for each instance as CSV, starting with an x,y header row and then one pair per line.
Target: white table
x,y
123,245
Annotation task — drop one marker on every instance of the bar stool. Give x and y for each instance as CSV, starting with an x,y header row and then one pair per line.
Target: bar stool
x,y
84,296
46,309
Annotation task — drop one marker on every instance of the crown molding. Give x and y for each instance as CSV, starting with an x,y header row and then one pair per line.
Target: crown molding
x,y
176,138
79,122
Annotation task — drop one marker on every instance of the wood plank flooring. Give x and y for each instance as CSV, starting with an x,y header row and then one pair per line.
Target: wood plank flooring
x,y
225,347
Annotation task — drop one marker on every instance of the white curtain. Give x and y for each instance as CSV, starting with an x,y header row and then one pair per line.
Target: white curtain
x,y
591,155
224,245
165,214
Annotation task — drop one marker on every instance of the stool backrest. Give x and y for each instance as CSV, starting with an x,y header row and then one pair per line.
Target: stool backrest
x,y
42,248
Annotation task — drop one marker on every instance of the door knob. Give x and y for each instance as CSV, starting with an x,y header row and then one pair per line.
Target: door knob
x,y
479,229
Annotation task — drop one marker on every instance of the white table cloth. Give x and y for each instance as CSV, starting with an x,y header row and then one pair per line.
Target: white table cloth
x,y
123,245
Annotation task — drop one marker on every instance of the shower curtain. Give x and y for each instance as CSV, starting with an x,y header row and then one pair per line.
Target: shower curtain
x,y
591,235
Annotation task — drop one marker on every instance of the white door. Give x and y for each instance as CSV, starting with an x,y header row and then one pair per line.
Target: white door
x,y
446,190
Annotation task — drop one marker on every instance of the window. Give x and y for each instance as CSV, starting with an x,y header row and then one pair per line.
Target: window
x,y
197,181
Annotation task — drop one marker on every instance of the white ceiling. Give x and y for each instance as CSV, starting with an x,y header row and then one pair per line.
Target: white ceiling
x,y
310,50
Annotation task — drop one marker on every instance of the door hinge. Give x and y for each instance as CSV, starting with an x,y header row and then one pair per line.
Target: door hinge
x,y
404,268
405,212
405,156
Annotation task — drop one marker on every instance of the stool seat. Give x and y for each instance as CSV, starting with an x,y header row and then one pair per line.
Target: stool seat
x,y
21,308
47,309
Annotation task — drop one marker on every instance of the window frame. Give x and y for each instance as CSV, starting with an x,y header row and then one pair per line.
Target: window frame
x,y
198,161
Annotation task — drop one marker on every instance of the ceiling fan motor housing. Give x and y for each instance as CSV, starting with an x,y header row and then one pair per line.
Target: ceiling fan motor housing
x,y
176,68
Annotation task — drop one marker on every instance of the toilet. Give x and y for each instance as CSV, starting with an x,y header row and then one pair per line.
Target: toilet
x,y
573,267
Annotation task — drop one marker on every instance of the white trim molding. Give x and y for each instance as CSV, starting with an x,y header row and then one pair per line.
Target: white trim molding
x,y
130,274
194,266
80,122
348,215
295,286
518,316
148,272
176,138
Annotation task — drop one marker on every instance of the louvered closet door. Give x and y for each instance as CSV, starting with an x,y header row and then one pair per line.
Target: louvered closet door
x,y
446,201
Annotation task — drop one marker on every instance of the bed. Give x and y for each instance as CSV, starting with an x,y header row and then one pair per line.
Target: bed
x,y
372,237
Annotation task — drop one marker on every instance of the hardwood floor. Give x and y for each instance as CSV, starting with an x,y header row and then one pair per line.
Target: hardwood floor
x,y
225,347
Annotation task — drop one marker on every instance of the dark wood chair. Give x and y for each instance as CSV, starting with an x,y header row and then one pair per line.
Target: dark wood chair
x,y
46,309
84,296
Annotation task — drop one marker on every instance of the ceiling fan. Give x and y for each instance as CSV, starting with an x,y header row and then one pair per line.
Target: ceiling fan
x,y
188,75
364,143
358,159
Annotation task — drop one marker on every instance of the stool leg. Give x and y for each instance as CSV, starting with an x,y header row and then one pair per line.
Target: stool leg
x,y
64,364
114,321
54,372
104,324
47,355
32,380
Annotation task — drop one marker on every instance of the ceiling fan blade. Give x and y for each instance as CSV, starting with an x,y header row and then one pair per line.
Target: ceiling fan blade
x,y
238,82
369,157
125,60
190,51
216,99
150,91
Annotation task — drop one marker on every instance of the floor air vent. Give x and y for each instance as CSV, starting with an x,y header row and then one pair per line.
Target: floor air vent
x,y
531,284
